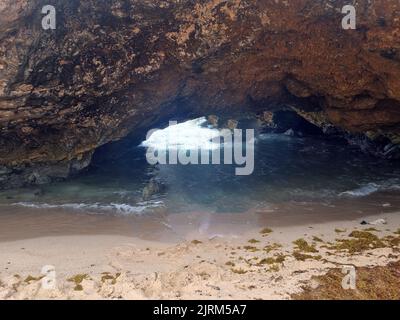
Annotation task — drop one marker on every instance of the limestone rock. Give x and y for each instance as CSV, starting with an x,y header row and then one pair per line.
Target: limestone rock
x,y
232,124
153,188
114,67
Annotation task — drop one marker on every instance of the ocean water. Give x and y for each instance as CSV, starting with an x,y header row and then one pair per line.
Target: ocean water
x,y
308,171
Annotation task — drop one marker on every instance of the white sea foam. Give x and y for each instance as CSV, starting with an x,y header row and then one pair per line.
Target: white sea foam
x,y
120,208
274,137
370,188
189,135
362,191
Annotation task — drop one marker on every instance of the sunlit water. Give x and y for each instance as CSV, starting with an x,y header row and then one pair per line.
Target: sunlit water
x,y
308,171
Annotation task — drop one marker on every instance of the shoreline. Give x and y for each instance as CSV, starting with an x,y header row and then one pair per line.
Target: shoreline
x,y
17,223
250,265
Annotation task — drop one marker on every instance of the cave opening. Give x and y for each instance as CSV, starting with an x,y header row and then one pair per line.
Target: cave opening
x,y
296,164
301,172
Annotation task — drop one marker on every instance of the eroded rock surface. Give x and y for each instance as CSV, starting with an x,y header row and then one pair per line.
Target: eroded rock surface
x,y
113,66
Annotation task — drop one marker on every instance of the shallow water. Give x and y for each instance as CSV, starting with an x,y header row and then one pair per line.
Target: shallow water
x,y
305,171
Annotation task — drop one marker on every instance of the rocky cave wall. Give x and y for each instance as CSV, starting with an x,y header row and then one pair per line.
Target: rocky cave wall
x,y
114,66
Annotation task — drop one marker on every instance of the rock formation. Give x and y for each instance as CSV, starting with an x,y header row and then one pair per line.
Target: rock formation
x,y
115,66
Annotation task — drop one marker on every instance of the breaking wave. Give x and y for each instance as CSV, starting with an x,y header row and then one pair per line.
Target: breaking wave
x,y
120,208
370,188
189,135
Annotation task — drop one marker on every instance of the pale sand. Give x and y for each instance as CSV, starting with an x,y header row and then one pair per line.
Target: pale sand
x,y
132,268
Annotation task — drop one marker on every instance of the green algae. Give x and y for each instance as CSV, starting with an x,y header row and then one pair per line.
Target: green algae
x,y
360,241
253,241
279,258
77,280
239,271
106,276
303,245
316,239
30,278
266,231
251,248
270,247
303,257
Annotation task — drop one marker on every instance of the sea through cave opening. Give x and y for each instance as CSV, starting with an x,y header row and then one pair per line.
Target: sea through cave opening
x,y
299,173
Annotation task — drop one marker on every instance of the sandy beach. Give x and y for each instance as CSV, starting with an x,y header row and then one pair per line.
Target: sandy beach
x,y
261,262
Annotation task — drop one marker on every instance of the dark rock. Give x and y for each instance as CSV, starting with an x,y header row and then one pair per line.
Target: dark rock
x,y
213,120
154,187
232,124
114,67
288,121
24,175
38,192
392,151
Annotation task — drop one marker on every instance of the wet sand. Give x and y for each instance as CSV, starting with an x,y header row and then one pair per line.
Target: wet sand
x,y
18,223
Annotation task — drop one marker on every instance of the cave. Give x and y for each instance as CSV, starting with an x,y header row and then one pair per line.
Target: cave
x,y
77,104
77,101
175,121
